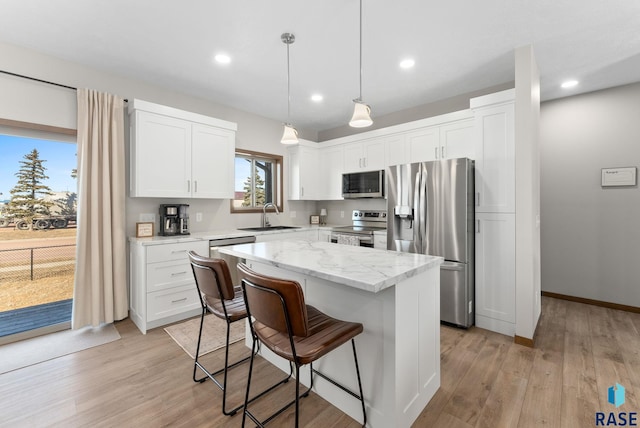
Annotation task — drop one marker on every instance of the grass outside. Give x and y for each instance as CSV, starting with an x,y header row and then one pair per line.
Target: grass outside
x,y
9,233
24,293
49,284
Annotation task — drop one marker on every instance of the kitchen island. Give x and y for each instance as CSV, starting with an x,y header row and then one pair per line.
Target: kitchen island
x,y
396,296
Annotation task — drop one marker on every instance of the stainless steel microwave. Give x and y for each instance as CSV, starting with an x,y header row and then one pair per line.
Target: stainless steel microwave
x,y
368,184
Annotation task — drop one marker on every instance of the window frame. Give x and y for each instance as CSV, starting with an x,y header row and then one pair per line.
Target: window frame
x,y
279,185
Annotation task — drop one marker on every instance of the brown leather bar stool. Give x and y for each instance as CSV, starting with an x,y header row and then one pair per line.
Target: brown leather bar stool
x,y
222,299
297,332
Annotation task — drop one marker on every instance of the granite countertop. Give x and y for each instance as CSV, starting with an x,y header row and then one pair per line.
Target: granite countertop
x,y
359,267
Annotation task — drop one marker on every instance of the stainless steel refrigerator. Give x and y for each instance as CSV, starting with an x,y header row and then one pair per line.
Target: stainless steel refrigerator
x,y
430,211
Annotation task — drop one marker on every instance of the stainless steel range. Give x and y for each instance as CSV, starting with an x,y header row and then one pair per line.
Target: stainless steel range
x,y
360,233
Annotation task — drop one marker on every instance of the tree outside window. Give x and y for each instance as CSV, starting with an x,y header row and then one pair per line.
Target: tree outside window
x,y
258,180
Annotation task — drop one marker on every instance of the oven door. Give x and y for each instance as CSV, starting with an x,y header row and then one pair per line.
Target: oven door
x,y
352,239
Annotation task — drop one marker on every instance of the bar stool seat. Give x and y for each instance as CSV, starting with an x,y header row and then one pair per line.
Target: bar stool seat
x,y
295,331
325,335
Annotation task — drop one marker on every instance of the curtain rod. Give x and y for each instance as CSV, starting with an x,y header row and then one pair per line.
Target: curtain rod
x,y
43,81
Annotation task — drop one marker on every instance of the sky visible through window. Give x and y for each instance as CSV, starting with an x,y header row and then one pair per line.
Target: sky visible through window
x,y
60,160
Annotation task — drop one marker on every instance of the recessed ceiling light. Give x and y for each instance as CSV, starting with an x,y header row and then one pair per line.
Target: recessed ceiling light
x,y
316,97
407,63
570,84
222,59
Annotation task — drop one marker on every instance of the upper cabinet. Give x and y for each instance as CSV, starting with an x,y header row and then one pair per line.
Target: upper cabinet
x,y
303,173
367,155
448,141
495,152
179,154
331,170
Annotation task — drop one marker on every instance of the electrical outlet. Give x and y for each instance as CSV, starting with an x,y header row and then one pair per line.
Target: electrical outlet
x,y
341,214
148,217
292,214
198,217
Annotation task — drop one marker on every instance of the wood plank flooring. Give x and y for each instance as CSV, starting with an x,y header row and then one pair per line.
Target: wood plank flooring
x,y
487,380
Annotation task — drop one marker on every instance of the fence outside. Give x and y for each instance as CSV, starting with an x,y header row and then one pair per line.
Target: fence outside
x,y
37,263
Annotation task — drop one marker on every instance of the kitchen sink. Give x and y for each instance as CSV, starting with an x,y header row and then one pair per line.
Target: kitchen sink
x,y
266,228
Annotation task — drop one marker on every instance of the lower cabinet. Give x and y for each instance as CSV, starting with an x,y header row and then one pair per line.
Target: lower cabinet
x,y
380,241
162,288
495,272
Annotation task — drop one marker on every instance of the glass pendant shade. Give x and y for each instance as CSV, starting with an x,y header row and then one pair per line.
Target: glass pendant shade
x,y
290,135
361,116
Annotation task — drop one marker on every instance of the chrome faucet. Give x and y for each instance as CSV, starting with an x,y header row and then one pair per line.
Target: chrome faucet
x,y
265,219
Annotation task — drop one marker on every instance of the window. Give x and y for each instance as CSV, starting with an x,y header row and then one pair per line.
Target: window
x,y
258,181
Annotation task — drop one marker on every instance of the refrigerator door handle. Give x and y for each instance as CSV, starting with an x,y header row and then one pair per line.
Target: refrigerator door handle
x,y
424,209
417,232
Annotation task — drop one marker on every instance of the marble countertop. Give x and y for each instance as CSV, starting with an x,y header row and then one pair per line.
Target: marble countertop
x,y
216,234
359,267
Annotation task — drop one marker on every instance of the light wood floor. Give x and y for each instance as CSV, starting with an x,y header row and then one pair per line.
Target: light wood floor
x,y
487,381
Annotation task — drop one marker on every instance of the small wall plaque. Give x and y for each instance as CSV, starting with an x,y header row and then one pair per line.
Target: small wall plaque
x,y
314,219
619,176
144,229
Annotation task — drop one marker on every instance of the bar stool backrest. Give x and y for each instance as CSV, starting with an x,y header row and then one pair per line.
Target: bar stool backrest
x,y
272,300
208,272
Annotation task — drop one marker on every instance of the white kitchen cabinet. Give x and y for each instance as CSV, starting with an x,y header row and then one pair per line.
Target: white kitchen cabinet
x,y
424,144
495,272
178,154
367,155
324,235
330,173
495,158
162,288
212,162
397,150
447,141
303,173
380,240
457,140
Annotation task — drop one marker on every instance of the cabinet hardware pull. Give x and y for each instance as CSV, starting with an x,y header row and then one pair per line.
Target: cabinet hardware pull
x,y
179,273
178,251
442,152
179,300
478,198
301,191
188,185
436,152
195,186
477,226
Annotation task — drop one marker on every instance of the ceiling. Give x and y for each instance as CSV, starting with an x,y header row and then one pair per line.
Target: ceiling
x,y
458,47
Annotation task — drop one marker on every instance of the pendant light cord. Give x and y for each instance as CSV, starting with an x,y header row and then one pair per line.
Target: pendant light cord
x,y
288,86
360,51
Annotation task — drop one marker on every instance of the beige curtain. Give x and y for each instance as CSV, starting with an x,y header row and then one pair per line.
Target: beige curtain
x,y
100,289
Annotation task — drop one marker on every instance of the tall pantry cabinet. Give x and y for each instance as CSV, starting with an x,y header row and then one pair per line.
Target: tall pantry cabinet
x,y
495,211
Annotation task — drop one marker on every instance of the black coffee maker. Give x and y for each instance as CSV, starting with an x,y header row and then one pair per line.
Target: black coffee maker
x,y
174,219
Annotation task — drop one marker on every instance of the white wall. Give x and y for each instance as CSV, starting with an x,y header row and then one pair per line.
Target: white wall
x,y
527,164
590,235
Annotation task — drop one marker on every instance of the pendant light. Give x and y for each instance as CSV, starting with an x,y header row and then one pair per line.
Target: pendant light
x,y
290,135
361,112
